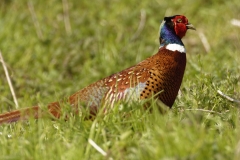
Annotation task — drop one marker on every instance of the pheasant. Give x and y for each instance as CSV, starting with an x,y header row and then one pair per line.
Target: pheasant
x,y
159,76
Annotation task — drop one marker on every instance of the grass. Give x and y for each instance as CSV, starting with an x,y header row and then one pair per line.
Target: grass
x,y
54,48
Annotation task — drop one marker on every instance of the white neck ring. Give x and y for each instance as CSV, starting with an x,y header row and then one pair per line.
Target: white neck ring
x,y
176,47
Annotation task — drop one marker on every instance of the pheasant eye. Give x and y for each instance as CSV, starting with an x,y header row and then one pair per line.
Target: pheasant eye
x,y
179,20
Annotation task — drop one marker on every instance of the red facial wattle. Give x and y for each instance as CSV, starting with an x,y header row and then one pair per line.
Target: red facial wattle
x,y
180,27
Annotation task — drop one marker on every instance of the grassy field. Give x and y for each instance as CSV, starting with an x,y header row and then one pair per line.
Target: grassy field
x,y
54,48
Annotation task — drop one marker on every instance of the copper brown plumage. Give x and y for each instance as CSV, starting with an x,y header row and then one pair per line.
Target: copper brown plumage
x,y
159,75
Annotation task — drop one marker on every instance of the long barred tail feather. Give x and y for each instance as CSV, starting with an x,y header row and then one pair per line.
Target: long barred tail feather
x,y
34,112
18,115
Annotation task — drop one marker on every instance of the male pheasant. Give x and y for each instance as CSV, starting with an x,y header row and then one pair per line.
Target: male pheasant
x,y
159,75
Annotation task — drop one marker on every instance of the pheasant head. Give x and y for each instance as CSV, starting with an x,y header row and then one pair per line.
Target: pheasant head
x,y
173,29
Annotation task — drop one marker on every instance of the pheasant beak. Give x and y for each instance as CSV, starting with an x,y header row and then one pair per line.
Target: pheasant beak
x,y
190,26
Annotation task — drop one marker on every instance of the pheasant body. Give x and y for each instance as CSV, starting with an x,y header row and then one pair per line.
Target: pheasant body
x,y
159,75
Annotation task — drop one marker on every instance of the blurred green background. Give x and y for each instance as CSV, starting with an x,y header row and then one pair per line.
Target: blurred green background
x,y
54,48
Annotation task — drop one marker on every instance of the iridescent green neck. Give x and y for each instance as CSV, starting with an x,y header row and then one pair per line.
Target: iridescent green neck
x,y
168,36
